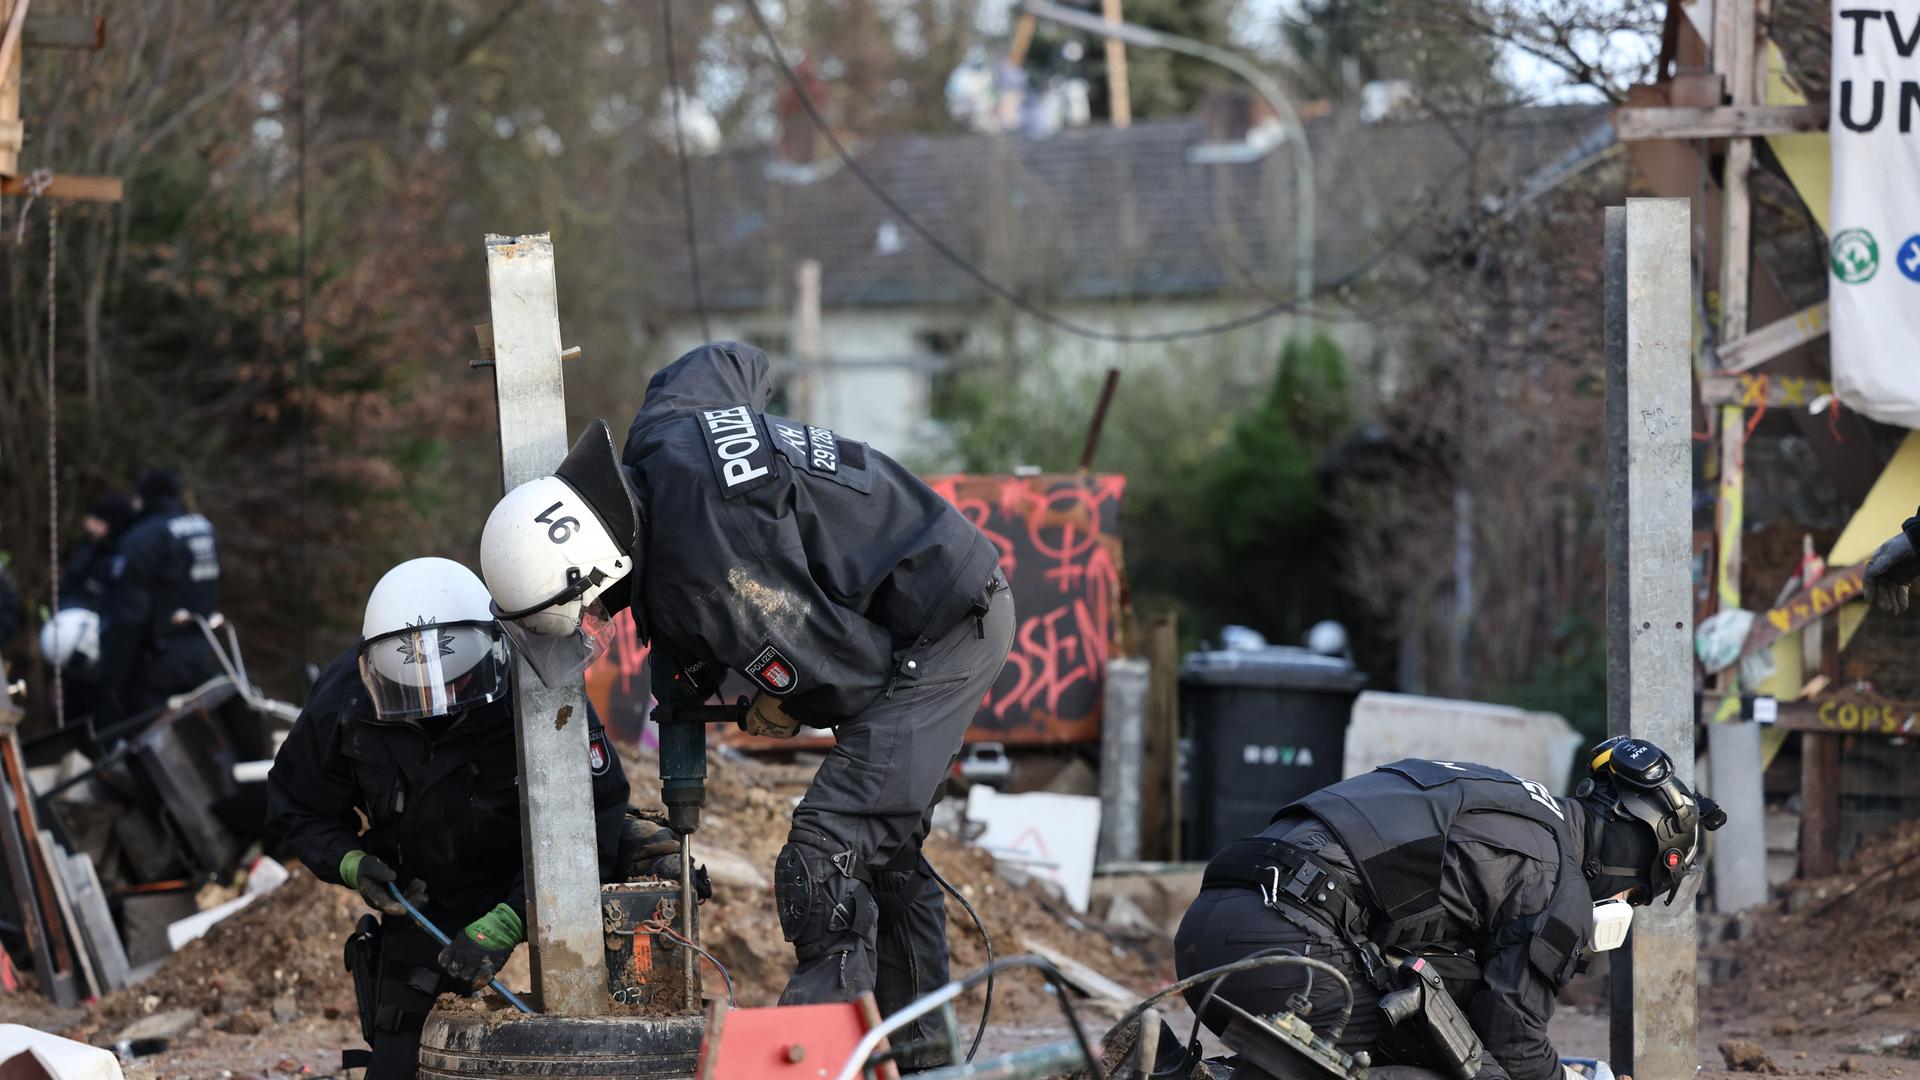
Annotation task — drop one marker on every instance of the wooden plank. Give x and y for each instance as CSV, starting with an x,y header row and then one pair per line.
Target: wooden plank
x,y
1752,389
1119,97
1836,587
109,189
1159,802
57,870
1644,123
1080,976
65,32
96,922
1819,804
13,16
1750,350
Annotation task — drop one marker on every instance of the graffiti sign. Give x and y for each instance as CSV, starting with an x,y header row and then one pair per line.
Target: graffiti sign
x,y
1837,587
1059,542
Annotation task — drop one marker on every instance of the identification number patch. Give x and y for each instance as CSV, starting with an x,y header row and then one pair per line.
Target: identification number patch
x,y
772,672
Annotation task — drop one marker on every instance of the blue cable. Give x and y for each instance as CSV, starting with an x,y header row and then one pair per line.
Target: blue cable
x,y
443,939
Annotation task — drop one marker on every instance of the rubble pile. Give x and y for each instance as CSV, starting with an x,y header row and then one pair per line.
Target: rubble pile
x,y
1832,957
747,815
273,971
275,962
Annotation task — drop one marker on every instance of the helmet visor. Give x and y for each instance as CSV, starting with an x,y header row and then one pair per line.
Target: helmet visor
x,y
559,643
434,669
1683,890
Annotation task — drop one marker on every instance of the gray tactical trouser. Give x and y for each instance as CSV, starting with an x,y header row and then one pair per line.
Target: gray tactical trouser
x,y
856,898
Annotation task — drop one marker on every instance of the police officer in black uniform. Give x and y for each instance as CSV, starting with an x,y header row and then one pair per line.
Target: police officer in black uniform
x,y
413,728
1484,881
170,561
849,592
91,571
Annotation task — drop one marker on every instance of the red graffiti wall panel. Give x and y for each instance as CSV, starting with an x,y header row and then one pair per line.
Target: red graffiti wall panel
x,y
1059,543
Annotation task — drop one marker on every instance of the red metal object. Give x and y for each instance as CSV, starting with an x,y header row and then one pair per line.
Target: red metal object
x,y
790,1042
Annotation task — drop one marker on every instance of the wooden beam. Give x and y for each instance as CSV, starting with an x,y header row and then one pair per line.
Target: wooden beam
x,y
1119,97
13,14
1022,40
1840,713
1752,389
1750,350
1722,122
1819,804
109,189
65,32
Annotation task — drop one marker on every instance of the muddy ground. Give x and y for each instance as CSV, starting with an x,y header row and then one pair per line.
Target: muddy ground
x,y
1823,983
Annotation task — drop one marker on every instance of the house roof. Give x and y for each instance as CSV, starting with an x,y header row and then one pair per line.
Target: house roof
x,y
1089,214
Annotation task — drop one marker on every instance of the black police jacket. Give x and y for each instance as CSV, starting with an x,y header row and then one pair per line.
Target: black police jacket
x,y
443,809
90,574
1496,857
802,559
170,560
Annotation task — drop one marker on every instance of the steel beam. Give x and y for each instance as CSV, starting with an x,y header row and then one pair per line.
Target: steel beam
x,y
556,780
1648,344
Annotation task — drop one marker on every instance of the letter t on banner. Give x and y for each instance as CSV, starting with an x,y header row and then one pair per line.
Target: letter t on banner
x,y
1649,340
556,780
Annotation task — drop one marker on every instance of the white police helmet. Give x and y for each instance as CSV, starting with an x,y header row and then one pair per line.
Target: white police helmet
x,y
550,550
71,637
429,645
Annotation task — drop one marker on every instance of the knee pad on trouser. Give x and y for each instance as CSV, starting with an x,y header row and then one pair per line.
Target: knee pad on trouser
x,y
912,958
830,917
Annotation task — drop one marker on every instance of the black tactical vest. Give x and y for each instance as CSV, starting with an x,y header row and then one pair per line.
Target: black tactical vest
x,y
1394,823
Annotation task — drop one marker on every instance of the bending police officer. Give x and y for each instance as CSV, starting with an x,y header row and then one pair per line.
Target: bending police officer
x,y
849,592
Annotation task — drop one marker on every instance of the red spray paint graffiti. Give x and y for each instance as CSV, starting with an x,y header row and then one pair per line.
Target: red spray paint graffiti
x,y
1059,542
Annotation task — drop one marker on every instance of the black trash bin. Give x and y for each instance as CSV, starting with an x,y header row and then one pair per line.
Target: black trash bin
x,y
1260,727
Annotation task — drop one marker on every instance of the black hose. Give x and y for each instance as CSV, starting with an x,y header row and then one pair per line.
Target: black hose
x,y
1248,964
1060,990
986,1007
1193,1035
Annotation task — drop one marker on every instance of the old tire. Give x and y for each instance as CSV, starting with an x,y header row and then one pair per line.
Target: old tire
x,y
462,1043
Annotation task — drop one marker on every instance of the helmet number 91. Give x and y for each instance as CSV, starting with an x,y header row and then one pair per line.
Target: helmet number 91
x,y
558,530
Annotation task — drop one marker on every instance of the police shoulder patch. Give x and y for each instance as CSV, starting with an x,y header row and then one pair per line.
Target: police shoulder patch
x,y
598,755
773,672
742,459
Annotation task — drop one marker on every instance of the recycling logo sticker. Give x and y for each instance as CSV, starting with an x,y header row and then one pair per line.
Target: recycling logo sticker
x,y
1907,259
1856,256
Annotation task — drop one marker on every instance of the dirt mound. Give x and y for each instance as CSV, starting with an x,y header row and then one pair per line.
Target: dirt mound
x,y
748,808
276,961
1832,956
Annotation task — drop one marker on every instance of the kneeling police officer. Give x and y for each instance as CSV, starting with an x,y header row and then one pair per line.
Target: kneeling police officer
x,y
1460,895
413,729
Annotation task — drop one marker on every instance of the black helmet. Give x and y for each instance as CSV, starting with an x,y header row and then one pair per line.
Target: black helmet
x,y
1632,781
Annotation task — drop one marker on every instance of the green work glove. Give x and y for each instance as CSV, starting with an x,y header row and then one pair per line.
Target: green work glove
x,y
368,874
481,950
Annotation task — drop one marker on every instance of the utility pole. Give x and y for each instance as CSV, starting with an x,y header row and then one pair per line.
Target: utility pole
x,y
556,779
1648,334
806,340
1119,103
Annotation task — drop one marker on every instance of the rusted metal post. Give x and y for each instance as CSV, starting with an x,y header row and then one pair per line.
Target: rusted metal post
x,y
556,780
1648,343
